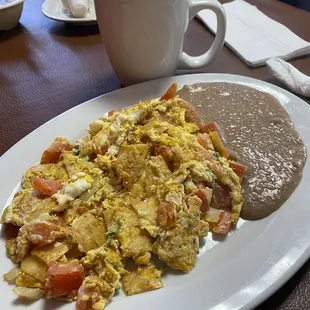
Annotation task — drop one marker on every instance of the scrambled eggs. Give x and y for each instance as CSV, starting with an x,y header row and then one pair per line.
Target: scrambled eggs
x,y
151,178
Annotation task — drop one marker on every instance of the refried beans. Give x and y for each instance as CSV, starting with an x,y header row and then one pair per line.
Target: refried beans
x,y
258,128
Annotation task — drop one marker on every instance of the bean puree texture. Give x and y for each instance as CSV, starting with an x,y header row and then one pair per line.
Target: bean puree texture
x,y
258,128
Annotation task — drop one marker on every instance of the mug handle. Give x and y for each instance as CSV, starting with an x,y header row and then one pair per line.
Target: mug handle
x,y
190,62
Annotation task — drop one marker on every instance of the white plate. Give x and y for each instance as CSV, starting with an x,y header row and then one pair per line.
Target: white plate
x,y
55,10
238,273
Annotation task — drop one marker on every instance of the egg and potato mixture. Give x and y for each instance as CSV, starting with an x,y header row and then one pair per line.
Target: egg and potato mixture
x,y
151,179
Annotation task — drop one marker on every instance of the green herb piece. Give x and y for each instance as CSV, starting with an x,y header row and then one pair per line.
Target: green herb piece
x,y
213,175
76,150
113,231
217,155
214,178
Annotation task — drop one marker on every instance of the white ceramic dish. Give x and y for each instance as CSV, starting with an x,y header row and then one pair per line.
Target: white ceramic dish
x,y
238,273
10,14
55,10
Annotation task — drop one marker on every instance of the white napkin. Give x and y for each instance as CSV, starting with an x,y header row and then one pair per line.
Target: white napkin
x,y
78,8
293,79
254,36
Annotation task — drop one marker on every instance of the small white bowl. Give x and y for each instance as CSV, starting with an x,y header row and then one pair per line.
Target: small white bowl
x,y
10,14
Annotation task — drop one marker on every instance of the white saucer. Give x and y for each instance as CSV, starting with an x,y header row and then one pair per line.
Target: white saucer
x,y
55,10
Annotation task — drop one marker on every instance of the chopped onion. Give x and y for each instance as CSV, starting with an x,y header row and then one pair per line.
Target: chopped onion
x,y
213,215
41,218
12,274
28,293
232,155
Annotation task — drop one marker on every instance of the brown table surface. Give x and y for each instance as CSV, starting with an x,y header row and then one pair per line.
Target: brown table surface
x,y
47,67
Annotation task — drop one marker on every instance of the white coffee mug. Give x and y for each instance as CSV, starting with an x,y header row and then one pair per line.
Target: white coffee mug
x,y
144,38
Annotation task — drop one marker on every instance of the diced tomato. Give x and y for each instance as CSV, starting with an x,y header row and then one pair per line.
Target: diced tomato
x,y
191,114
212,126
82,303
223,226
53,152
170,93
102,149
193,117
201,184
166,214
46,187
240,170
184,104
45,232
199,193
164,151
204,201
205,141
63,279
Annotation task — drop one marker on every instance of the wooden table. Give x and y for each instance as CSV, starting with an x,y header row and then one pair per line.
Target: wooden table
x,y
47,67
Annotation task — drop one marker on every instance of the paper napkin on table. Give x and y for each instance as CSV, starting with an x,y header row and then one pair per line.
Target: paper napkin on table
x,y
254,36
288,75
